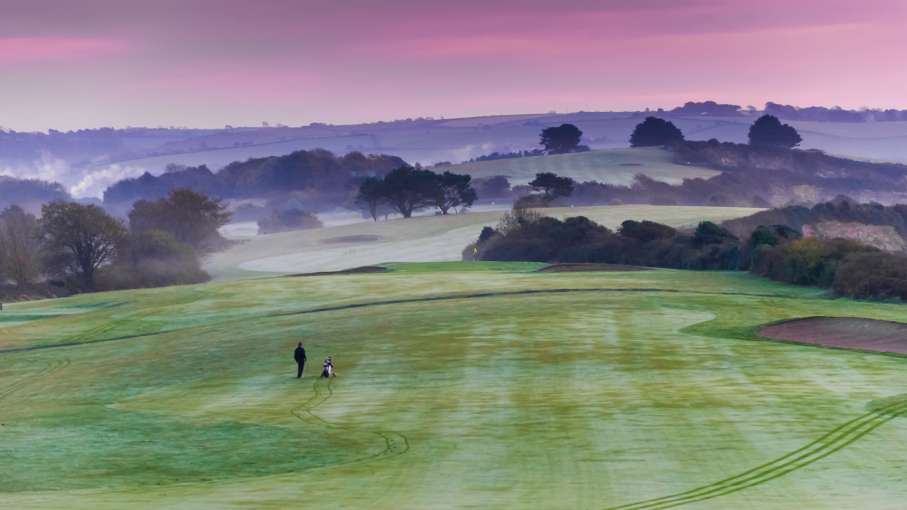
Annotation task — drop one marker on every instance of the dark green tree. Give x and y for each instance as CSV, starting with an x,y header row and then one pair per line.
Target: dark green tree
x,y
710,233
408,189
454,191
371,195
79,238
20,248
552,186
655,132
768,131
191,217
646,231
561,139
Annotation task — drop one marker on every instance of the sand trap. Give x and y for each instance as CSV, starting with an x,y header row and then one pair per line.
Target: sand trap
x,y
844,332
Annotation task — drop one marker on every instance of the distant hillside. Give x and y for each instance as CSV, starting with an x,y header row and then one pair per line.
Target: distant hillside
x,y
325,179
87,161
29,193
613,166
799,175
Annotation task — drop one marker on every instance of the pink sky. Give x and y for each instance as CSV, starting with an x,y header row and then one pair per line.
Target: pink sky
x,y
92,63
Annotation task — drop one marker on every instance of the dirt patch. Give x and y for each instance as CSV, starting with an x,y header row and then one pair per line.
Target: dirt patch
x,y
363,238
883,237
843,332
355,270
577,268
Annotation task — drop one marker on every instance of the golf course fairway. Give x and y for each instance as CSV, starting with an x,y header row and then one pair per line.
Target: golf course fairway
x,y
460,385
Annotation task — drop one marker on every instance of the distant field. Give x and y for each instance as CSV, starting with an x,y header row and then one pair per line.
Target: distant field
x,y
458,389
612,166
423,239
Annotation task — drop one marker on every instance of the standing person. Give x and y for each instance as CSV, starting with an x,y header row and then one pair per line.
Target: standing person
x,y
299,356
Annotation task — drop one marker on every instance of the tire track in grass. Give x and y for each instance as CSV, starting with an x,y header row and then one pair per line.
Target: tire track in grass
x,y
24,380
833,441
398,444
395,443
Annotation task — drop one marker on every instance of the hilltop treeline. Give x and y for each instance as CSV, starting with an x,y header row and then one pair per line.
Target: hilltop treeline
x,y
751,176
29,191
528,236
325,179
775,251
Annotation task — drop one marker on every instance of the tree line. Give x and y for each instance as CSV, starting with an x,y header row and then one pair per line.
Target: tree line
x,y
76,247
407,189
766,131
778,252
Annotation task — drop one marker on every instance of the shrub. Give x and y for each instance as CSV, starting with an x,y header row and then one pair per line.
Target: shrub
x,y
152,258
876,275
289,219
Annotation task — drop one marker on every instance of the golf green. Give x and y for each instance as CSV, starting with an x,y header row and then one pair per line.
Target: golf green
x,y
501,387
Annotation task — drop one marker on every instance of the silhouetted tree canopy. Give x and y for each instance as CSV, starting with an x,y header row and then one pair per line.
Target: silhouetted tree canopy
x,y
710,233
561,139
453,191
497,186
409,189
371,196
768,131
552,185
645,230
654,132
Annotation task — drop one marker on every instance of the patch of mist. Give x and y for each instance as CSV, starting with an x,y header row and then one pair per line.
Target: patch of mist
x,y
45,168
80,183
94,182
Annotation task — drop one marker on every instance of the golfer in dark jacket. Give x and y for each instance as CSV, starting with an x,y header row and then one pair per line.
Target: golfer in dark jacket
x,y
299,355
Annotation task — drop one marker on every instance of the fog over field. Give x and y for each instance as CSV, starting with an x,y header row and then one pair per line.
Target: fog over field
x,y
87,166
420,239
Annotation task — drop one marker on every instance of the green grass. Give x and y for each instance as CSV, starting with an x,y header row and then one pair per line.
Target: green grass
x,y
440,267
420,239
460,385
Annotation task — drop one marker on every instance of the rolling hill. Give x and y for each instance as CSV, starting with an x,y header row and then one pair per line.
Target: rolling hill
x,y
456,388
612,166
424,238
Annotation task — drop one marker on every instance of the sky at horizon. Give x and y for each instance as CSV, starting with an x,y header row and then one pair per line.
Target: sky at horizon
x,y
206,63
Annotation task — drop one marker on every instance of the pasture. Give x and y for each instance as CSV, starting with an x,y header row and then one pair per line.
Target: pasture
x,y
418,239
461,385
612,166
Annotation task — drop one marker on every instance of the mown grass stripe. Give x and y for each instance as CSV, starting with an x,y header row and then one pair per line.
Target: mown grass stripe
x,y
829,443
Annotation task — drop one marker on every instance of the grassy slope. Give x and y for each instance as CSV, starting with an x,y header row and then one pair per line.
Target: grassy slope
x,y
429,238
613,166
557,400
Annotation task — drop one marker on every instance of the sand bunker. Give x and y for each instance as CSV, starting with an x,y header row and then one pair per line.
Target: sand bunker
x,y
844,332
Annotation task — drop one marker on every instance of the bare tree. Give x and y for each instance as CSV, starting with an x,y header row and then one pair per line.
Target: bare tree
x,y
19,246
